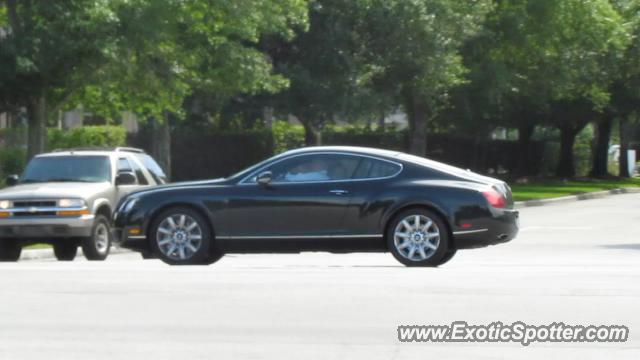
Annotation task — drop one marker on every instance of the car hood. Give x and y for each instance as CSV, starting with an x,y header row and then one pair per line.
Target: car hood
x,y
52,190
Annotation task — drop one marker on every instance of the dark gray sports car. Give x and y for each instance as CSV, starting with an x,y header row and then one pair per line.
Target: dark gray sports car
x,y
338,199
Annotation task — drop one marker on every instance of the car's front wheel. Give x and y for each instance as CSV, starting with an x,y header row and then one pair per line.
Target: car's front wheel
x,y
10,250
418,237
96,246
65,250
181,236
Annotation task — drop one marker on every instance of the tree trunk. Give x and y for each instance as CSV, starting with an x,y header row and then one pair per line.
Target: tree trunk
x,y
267,115
381,123
525,132
37,129
624,146
417,112
161,143
600,158
566,166
311,135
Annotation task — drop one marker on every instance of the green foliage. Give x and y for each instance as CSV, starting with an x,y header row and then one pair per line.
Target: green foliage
x,y
173,48
287,136
87,136
362,136
12,161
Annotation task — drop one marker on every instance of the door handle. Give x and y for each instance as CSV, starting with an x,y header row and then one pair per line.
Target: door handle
x,y
339,192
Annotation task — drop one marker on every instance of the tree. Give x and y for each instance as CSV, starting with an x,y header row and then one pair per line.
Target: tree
x,y
321,68
543,58
141,55
412,52
49,50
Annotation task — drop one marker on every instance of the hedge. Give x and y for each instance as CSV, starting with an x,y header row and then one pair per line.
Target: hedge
x,y
87,136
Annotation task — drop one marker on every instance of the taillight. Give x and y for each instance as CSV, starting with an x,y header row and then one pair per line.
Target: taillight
x,y
494,198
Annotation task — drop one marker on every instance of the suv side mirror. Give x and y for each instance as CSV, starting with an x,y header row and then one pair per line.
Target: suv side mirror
x,y
126,178
264,178
12,180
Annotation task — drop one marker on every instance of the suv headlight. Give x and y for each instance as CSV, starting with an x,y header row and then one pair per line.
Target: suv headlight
x,y
68,203
5,204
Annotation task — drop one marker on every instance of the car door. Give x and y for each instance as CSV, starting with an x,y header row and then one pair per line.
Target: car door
x,y
307,197
369,199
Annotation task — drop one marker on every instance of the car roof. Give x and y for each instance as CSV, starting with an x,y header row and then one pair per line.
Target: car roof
x,y
348,149
96,151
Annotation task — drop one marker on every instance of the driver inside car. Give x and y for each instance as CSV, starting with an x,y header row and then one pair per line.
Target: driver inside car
x,y
316,170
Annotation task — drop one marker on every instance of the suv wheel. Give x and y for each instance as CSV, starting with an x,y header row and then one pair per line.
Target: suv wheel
x,y
96,246
10,250
65,250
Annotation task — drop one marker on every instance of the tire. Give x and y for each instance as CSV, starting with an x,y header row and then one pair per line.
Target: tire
x,y
65,250
147,255
96,247
426,244
448,256
10,250
181,236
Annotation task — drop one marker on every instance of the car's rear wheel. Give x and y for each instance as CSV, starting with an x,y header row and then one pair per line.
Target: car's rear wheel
x,y
65,250
418,237
10,250
448,256
181,236
96,246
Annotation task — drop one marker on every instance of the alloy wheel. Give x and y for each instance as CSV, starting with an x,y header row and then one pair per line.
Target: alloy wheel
x,y
416,237
179,237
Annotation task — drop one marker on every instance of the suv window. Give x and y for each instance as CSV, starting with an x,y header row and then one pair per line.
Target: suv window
x,y
67,168
154,169
316,167
124,165
372,168
142,180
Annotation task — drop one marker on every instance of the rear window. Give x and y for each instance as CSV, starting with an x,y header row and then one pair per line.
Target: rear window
x,y
372,168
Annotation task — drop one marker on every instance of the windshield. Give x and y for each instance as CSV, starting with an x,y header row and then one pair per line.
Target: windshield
x,y
67,168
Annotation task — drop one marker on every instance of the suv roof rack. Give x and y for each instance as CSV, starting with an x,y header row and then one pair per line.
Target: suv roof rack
x,y
98,148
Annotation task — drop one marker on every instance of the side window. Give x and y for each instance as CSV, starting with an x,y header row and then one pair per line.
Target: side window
x,y
310,168
124,165
142,180
154,169
371,169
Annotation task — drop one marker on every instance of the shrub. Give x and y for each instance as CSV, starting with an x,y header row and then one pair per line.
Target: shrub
x,y
287,136
87,136
12,161
361,136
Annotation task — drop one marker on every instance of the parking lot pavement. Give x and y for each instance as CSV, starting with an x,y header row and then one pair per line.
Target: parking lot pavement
x,y
577,262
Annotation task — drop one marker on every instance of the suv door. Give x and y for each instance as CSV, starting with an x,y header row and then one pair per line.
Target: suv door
x,y
123,164
308,197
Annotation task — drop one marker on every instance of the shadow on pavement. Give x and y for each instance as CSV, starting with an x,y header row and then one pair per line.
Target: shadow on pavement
x,y
622,246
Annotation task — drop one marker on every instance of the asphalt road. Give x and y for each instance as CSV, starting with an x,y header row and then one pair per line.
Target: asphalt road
x,y
577,262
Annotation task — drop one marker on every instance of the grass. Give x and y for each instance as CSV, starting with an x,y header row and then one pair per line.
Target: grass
x,y
551,189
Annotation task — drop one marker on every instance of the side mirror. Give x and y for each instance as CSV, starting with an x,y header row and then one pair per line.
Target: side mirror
x,y
264,178
126,178
12,180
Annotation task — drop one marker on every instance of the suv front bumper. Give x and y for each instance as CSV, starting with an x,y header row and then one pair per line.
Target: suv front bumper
x,y
46,227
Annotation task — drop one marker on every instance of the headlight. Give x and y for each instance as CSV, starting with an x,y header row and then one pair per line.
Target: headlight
x,y
67,203
5,204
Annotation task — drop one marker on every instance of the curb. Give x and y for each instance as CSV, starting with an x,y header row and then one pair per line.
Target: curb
x,y
579,197
41,254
